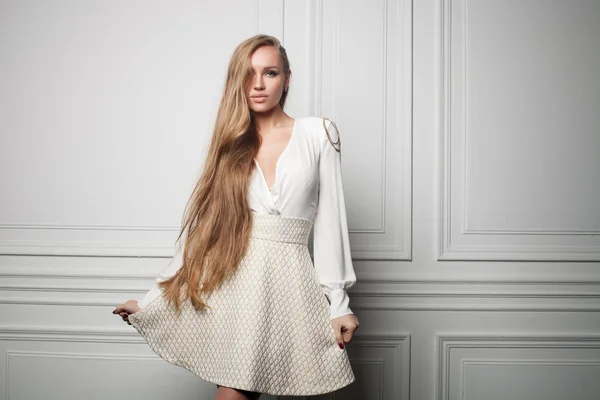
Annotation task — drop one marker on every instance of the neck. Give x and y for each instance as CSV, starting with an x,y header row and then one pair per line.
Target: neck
x,y
268,120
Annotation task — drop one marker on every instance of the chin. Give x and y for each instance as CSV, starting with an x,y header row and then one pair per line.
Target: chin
x,y
262,108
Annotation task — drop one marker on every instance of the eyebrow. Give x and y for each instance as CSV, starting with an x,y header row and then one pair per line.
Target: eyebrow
x,y
271,67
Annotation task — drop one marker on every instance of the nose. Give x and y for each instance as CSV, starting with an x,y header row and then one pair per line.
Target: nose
x,y
258,83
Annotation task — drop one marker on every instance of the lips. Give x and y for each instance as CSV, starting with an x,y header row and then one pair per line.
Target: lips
x,y
259,99
258,96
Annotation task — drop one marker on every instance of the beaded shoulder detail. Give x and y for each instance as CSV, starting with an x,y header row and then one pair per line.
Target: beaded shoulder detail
x,y
337,145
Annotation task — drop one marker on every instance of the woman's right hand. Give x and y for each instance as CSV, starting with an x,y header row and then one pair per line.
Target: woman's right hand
x,y
124,310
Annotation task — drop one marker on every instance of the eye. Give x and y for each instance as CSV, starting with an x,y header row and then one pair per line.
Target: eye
x,y
272,72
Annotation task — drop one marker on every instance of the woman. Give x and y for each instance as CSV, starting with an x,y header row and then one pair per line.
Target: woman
x,y
242,304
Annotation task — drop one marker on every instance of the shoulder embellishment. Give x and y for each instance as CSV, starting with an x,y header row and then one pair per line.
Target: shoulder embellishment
x,y
337,145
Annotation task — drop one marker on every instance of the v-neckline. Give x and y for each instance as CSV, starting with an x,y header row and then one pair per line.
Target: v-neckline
x,y
287,146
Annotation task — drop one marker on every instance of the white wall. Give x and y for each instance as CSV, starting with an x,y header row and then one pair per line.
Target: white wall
x,y
471,155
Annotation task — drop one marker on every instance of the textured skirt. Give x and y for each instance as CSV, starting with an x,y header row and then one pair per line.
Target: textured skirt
x,y
268,329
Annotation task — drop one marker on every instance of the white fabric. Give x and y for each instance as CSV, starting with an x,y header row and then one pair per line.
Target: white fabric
x,y
308,184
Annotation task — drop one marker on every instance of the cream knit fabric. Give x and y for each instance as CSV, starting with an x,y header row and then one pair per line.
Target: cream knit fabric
x,y
269,328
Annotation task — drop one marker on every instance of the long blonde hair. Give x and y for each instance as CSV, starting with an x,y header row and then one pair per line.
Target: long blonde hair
x,y
217,219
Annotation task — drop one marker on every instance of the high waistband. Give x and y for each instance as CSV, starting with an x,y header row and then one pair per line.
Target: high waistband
x,y
281,228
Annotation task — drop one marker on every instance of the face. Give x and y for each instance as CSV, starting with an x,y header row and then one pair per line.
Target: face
x,y
265,86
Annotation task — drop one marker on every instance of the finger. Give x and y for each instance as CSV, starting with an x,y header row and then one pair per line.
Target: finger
x,y
118,308
338,337
347,335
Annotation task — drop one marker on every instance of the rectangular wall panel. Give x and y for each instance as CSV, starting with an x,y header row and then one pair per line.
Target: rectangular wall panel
x,y
105,113
520,131
530,367
365,87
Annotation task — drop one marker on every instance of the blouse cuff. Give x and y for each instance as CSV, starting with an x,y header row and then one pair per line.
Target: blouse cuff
x,y
339,303
152,294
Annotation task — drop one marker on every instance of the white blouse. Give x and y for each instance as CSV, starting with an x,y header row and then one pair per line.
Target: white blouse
x,y
308,184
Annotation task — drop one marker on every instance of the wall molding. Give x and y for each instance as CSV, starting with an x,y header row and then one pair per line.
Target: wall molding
x,y
98,287
397,342
396,347
399,345
392,239
50,334
82,239
456,240
447,342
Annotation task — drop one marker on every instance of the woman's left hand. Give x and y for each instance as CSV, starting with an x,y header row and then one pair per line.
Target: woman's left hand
x,y
130,307
344,327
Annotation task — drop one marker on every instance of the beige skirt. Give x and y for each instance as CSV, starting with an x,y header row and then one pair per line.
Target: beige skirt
x,y
269,328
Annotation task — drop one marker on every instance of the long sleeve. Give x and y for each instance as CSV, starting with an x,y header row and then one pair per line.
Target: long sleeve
x,y
331,246
166,273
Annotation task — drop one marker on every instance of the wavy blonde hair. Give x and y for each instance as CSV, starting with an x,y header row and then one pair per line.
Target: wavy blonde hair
x,y
217,219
